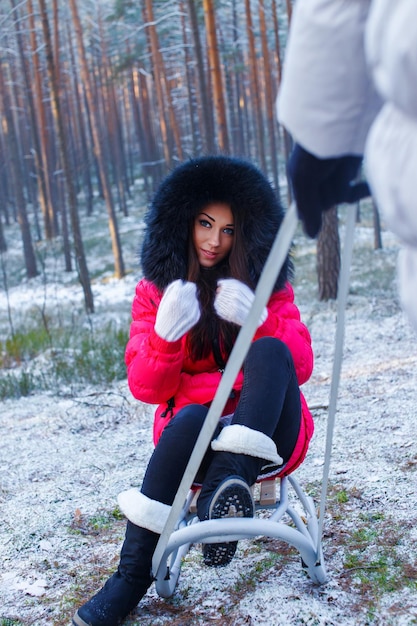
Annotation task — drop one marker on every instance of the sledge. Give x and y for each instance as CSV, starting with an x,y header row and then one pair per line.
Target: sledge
x,y
297,524
302,535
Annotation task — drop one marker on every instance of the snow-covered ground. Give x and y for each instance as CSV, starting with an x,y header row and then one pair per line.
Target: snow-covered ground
x,y
64,458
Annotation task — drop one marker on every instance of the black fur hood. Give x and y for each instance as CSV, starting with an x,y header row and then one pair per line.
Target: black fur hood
x,y
186,191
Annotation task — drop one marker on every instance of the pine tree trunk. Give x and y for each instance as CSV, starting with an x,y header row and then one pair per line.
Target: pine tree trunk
x,y
38,189
84,163
278,60
216,76
377,227
43,173
257,108
289,11
192,116
328,256
70,190
4,178
239,139
113,123
153,155
63,136
85,76
141,135
16,176
163,90
166,145
269,96
3,243
207,132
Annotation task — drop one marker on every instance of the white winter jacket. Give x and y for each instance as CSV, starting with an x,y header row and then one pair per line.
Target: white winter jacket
x,y
327,100
344,58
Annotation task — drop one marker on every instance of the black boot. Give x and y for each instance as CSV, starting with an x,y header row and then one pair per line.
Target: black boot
x,y
225,465
232,498
122,592
226,493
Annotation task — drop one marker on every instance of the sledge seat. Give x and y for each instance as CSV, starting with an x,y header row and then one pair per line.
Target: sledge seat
x,y
298,526
263,497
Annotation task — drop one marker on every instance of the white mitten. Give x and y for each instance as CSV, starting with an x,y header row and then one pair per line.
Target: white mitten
x,y
233,301
179,310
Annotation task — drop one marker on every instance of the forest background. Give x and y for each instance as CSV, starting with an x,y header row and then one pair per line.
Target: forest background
x,y
95,95
98,101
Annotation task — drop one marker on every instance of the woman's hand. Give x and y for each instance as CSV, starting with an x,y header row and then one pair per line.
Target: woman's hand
x,y
178,311
234,300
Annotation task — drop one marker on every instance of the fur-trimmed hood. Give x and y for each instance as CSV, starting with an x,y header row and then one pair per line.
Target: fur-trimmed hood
x,y
189,188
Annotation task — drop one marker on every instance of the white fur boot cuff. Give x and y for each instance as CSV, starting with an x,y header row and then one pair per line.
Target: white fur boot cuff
x,y
143,511
243,440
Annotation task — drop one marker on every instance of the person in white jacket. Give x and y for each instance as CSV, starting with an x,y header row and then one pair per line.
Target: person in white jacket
x,y
349,91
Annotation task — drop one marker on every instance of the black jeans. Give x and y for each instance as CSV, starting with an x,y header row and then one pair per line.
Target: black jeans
x,y
269,402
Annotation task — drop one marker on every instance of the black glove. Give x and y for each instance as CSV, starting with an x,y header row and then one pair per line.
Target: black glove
x,y
319,184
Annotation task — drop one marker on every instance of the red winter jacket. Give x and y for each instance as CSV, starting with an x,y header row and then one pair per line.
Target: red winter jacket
x,y
159,370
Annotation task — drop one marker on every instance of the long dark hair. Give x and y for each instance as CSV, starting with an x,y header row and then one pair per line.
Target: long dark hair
x,y
211,333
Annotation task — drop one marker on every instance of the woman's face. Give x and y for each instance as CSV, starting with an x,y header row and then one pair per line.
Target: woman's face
x,y
213,233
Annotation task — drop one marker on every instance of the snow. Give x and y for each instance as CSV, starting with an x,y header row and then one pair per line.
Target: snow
x,y
65,457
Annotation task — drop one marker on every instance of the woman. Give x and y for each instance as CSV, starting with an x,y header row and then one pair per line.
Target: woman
x,y
209,232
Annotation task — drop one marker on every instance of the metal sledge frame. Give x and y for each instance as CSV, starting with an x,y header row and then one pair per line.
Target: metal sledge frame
x,y
183,528
303,535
